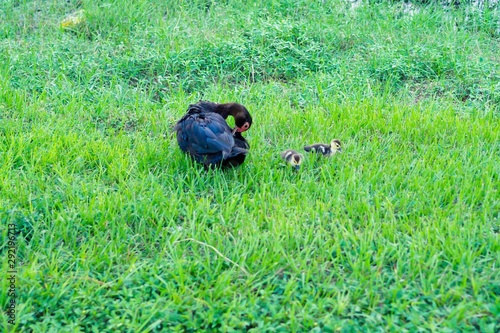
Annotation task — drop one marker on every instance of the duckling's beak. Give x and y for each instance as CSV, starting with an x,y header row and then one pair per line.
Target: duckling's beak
x,y
339,150
296,167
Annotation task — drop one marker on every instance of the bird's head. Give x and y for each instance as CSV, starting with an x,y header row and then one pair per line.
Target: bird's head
x,y
296,161
336,146
242,118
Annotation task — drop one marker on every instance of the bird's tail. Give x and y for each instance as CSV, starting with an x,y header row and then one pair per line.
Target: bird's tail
x,y
236,157
235,151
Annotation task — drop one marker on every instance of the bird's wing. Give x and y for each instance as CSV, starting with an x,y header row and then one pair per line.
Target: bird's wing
x,y
205,134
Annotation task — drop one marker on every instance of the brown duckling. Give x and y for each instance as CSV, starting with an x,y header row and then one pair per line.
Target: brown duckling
x,y
293,158
204,134
327,150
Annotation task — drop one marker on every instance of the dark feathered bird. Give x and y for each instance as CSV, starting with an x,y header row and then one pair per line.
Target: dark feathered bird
x,y
326,149
204,134
293,158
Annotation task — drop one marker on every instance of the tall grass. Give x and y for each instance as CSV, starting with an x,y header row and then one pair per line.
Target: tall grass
x,y
120,232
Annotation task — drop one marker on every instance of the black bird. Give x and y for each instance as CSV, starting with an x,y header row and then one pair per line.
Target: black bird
x,y
204,134
327,150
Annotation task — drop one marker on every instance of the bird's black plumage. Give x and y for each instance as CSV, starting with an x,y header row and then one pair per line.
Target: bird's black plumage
x,y
204,134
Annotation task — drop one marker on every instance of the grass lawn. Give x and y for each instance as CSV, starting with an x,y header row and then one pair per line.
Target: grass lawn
x,y
117,231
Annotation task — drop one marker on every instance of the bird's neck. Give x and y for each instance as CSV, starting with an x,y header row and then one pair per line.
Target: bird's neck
x,y
224,110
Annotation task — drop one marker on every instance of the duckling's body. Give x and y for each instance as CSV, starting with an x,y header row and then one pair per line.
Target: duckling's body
x,y
204,134
325,149
293,158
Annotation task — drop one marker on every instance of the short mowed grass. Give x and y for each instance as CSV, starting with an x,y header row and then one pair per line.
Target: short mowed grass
x,y
119,232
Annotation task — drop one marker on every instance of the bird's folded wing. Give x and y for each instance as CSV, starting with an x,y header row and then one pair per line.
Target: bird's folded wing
x,y
208,138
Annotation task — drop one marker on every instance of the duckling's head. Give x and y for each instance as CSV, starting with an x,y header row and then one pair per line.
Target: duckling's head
x,y
336,146
242,118
296,161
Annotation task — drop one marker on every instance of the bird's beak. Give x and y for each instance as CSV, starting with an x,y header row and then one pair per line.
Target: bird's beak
x,y
339,150
296,167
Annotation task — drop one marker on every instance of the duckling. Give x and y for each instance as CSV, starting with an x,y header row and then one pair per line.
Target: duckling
x,y
335,146
204,134
293,158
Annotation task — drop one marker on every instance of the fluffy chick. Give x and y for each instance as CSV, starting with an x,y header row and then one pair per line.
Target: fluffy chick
x,y
327,150
293,158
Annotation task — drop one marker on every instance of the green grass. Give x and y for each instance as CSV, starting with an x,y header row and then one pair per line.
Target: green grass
x,y
120,232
